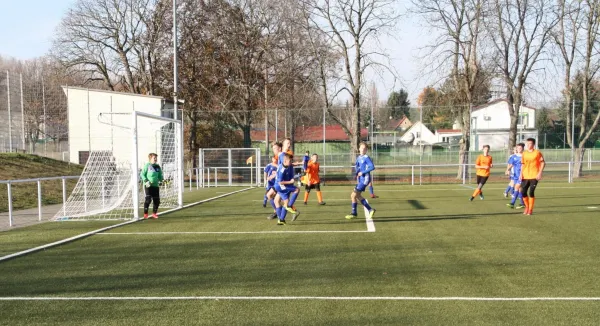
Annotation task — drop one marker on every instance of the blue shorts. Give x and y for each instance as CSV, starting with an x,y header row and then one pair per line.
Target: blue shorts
x,y
515,180
363,183
285,193
269,187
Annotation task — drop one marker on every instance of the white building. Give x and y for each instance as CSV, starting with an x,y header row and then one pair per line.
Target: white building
x,y
101,120
490,125
419,134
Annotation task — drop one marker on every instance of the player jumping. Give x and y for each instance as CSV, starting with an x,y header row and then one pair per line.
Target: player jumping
x,y
286,191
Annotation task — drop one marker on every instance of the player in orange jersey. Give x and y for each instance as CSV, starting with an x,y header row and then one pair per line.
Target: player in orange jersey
x,y
533,165
311,180
483,164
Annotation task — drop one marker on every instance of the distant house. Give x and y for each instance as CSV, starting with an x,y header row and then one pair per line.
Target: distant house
x,y
448,136
311,134
491,124
419,134
397,124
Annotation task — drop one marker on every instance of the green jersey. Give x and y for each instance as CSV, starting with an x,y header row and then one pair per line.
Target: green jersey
x,y
152,173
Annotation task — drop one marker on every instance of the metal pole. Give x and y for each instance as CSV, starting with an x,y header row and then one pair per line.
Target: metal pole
x,y
276,124
572,141
324,117
39,189
134,167
22,114
44,108
10,205
175,111
64,195
267,114
229,167
9,117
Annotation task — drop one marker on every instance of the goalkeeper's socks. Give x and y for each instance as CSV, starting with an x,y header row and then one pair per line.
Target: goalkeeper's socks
x,y
272,201
354,205
366,204
293,198
371,190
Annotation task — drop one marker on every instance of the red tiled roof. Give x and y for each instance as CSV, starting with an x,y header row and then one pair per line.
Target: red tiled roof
x,y
309,134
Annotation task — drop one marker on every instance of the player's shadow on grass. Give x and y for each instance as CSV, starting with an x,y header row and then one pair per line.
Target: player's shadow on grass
x,y
415,218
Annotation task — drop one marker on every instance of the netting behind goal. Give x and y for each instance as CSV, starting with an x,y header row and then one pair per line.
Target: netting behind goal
x,y
105,188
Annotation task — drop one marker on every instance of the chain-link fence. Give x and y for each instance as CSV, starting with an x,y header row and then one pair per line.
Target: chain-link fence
x,y
34,115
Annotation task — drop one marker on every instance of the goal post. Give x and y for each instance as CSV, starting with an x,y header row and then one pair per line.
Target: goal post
x,y
109,186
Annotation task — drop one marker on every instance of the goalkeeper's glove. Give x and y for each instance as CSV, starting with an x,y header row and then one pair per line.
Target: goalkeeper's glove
x,y
147,184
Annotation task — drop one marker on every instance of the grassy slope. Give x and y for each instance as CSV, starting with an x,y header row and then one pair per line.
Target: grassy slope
x,y
25,166
430,241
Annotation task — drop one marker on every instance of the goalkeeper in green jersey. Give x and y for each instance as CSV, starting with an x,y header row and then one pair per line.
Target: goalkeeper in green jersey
x,y
152,178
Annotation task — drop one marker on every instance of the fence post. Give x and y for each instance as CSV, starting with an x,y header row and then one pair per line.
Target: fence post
x,y
64,193
570,179
229,165
197,178
464,174
412,174
39,189
190,176
85,194
216,180
10,205
207,177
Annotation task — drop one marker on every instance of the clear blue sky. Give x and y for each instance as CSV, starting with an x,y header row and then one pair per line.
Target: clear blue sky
x,y
27,26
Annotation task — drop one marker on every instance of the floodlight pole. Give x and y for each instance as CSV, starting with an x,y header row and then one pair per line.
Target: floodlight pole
x,y
135,192
178,128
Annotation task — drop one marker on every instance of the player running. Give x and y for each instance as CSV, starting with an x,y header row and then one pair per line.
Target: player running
x,y
514,170
311,180
270,174
363,169
271,193
531,173
286,191
483,164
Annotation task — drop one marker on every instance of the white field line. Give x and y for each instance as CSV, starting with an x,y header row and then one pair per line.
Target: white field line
x,y
229,232
253,298
87,234
409,188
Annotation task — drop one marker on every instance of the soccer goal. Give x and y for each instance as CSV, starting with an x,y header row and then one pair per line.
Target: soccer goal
x,y
109,187
229,167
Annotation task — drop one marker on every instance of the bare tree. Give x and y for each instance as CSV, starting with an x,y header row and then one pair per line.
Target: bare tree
x,y
519,31
576,37
457,48
352,28
112,40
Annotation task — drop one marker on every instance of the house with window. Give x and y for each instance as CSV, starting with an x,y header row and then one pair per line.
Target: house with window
x,y
490,124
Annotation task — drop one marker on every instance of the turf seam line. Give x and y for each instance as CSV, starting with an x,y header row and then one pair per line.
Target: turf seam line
x,y
87,234
229,232
392,298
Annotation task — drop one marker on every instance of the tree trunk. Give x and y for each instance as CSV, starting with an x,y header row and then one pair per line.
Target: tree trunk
x,y
578,164
247,139
512,135
193,141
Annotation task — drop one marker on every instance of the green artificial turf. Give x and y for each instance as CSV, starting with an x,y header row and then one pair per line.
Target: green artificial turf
x,y
430,241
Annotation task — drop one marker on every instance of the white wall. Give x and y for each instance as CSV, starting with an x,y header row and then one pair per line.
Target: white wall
x,y
497,116
425,135
87,132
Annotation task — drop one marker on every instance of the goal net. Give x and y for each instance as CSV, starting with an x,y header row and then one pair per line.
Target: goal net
x,y
109,187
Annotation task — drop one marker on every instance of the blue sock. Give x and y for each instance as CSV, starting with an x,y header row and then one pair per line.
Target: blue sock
x,y
508,189
265,200
293,198
273,204
283,214
354,205
371,189
513,198
521,198
366,204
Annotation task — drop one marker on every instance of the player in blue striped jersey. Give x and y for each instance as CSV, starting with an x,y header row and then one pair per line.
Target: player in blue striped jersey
x,y
286,191
363,168
270,174
514,169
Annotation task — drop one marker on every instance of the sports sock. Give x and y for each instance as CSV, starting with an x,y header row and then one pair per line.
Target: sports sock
x,y
476,192
273,204
514,198
293,198
371,189
508,189
306,197
278,210
526,202
354,205
283,214
366,204
320,196
520,195
265,200
531,203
